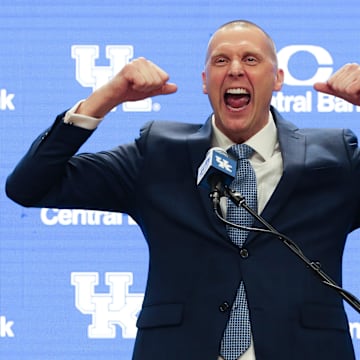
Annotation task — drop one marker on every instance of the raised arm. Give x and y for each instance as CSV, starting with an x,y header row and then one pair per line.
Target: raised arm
x,y
138,80
50,174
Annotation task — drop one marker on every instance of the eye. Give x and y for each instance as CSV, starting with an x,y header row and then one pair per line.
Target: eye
x,y
221,60
251,60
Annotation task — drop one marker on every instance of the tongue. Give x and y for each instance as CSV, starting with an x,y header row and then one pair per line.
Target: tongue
x,y
237,101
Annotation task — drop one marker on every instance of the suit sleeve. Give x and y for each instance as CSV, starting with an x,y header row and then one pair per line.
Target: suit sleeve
x,y
51,175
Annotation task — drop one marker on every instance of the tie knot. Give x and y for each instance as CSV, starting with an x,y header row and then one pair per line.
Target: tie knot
x,y
241,151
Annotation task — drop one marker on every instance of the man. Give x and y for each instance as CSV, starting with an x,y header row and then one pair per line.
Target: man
x,y
307,187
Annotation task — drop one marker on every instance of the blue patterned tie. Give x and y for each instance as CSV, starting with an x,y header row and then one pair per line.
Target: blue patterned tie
x,y
237,336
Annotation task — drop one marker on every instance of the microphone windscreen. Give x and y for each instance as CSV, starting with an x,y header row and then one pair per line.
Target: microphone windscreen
x,y
216,163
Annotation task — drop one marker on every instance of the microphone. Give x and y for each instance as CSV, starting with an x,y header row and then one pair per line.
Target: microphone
x,y
216,171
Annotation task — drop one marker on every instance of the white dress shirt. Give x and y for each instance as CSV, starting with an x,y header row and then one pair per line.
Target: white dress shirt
x,y
266,161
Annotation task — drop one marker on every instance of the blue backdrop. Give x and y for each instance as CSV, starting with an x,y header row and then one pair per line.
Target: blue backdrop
x,y
71,282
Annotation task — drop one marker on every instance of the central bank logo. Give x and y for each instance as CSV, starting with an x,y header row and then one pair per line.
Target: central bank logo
x,y
117,307
6,327
88,74
318,65
6,100
322,58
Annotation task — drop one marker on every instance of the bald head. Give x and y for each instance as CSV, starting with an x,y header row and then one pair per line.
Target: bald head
x,y
243,24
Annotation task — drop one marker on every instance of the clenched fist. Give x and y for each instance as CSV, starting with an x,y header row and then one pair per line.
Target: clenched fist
x,y
137,80
345,84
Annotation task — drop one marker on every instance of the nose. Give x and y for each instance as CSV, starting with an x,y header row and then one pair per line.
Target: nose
x,y
236,68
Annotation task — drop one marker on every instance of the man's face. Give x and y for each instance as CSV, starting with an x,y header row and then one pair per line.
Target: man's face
x,y
240,76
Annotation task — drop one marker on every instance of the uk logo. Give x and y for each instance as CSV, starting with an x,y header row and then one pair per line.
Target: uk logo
x,y
224,164
88,74
117,307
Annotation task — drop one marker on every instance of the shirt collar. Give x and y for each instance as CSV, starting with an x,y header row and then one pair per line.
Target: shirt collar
x,y
263,142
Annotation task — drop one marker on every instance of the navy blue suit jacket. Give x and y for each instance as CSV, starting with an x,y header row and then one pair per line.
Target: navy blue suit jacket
x,y
194,268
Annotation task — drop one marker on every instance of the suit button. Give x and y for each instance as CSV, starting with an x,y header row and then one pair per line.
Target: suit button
x,y
224,306
244,253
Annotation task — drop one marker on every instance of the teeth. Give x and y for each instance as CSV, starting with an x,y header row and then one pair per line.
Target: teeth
x,y
237,91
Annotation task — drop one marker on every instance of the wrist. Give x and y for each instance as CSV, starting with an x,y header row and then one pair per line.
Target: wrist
x,y
81,120
98,104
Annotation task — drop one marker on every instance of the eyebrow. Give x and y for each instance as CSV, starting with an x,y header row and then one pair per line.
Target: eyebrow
x,y
246,53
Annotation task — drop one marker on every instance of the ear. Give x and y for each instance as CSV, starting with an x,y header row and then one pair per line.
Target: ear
x,y
279,80
204,87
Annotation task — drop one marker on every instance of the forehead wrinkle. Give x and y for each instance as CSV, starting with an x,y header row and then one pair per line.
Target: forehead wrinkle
x,y
243,49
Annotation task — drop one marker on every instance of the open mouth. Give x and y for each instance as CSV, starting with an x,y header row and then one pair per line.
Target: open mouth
x,y
237,98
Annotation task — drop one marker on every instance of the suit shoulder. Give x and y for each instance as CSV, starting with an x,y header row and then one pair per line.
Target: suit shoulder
x,y
330,135
314,134
172,126
169,129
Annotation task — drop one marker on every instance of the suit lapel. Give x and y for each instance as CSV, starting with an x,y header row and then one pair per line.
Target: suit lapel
x,y
292,147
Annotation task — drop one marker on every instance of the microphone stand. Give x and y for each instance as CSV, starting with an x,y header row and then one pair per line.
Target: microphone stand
x,y
315,266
